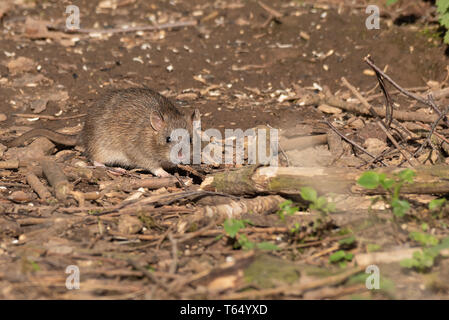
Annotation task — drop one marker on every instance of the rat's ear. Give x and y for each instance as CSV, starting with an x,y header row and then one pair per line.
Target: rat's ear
x,y
156,120
196,116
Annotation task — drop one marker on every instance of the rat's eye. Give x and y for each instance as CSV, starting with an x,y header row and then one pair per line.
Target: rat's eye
x,y
168,139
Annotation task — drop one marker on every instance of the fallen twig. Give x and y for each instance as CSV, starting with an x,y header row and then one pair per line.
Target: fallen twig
x,y
388,103
352,142
191,170
328,98
56,178
131,29
130,184
300,143
38,186
296,289
152,278
48,117
174,244
407,155
428,101
431,132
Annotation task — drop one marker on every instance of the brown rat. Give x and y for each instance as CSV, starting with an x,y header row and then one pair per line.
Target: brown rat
x,y
126,127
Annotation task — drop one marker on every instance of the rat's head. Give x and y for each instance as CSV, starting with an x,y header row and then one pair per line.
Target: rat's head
x,y
166,127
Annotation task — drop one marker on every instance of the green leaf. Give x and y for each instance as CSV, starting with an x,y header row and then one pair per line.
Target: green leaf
x,y
436,203
425,259
371,247
391,2
349,256
446,38
407,175
285,204
331,207
267,246
444,20
286,209
233,226
245,243
369,180
442,6
337,256
387,183
347,241
407,263
308,194
400,207
321,202
424,238
443,245
35,266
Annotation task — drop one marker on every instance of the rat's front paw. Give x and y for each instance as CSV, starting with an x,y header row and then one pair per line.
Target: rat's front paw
x,y
159,172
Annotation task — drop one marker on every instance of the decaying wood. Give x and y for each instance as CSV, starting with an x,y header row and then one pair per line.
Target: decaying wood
x,y
385,257
235,209
289,180
55,176
48,117
129,184
302,142
38,186
9,164
191,170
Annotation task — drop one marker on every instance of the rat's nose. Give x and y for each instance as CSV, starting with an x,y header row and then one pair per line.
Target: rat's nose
x,y
180,154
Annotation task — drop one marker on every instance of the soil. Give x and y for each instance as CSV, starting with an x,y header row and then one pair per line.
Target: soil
x,y
235,68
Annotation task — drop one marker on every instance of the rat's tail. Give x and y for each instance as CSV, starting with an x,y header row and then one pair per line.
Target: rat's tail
x,y
58,138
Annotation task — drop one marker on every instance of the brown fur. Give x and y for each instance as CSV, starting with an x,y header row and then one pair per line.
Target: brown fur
x,y
119,130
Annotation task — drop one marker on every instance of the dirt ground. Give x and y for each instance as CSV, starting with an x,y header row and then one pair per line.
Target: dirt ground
x,y
242,67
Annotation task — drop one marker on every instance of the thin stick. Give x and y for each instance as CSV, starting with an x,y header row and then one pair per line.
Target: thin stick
x,y
192,171
432,130
276,14
351,142
409,157
367,59
297,289
174,264
435,108
152,277
47,117
132,29
377,95
428,102
435,133
355,92
388,101
380,156
37,186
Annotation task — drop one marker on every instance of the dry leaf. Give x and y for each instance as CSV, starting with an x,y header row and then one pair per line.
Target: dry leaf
x,y
328,109
21,64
